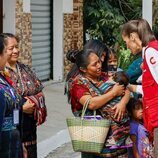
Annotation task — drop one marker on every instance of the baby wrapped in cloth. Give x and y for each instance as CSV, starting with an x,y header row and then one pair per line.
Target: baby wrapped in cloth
x,y
119,130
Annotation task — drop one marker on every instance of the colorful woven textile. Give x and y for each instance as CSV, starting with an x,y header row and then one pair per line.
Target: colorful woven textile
x,y
10,141
83,86
27,84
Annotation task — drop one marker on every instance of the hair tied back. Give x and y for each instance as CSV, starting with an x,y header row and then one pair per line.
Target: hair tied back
x,y
72,54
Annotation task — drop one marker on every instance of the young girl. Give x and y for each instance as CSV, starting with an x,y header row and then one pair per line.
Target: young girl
x,y
138,133
112,63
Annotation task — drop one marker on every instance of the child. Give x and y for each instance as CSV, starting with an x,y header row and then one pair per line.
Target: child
x,y
139,135
113,63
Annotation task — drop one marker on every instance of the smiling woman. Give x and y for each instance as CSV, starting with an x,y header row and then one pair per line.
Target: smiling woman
x,y
29,87
10,112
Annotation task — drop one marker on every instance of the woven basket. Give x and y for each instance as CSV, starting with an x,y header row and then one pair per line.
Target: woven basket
x,y
88,135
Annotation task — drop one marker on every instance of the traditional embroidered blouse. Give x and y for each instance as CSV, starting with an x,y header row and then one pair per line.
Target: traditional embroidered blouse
x,y
118,132
79,89
10,141
26,83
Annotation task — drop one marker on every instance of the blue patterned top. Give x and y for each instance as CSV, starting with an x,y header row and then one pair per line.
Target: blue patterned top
x,y
10,142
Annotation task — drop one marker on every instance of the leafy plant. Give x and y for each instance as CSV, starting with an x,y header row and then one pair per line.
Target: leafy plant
x,y
125,58
102,20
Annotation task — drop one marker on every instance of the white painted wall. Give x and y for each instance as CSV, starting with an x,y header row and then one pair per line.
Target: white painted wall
x,y
26,6
58,40
68,6
59,7
9,16
147,11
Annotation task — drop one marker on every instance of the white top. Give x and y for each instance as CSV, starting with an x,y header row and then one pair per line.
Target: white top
x,y
139,89
152,61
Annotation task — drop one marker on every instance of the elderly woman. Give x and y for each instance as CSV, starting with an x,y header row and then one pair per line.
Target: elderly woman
x,y
10,110
26,83
86,85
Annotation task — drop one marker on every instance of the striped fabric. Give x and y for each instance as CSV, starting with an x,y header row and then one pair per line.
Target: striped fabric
x,y
119,130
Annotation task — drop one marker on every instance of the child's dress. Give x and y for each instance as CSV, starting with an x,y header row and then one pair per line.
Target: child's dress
x,y
142,140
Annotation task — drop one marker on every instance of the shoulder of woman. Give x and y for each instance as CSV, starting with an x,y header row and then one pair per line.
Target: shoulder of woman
x,y
80,81
22,65
77,80
151,56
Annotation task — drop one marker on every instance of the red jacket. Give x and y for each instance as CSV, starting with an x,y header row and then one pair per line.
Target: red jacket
x,y
150,90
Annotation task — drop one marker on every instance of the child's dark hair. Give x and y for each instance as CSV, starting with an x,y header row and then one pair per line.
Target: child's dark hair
x,y
121,78
113,52
134,104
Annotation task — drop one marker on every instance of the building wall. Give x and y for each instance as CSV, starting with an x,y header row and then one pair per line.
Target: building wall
x,y
73,31
9,16
58,40
24,32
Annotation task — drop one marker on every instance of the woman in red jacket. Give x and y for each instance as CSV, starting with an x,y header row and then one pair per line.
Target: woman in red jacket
x,y
139,38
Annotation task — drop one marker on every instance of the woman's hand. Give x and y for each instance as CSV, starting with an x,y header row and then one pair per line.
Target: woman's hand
x,y
118,90
28,107
119,111
24,151
120,108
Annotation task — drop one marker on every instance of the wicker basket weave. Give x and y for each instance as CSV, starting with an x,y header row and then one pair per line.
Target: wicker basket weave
x,y
88,135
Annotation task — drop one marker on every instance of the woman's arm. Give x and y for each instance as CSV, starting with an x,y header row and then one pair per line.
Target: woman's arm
x,y
135,88
98,101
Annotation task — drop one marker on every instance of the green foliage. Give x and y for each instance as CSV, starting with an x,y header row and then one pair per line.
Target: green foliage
x,y
102,20
155,28
125,58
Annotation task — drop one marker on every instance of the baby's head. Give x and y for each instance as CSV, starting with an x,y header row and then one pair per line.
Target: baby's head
x,y
121,78
135,109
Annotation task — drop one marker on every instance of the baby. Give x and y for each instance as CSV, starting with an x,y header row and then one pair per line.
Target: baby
x,y
120,135
118,77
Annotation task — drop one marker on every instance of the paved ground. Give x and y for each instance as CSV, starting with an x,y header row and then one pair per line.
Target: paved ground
x,y
53,136
65,151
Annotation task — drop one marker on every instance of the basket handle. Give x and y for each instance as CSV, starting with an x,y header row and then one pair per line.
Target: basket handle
x,y
85,106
